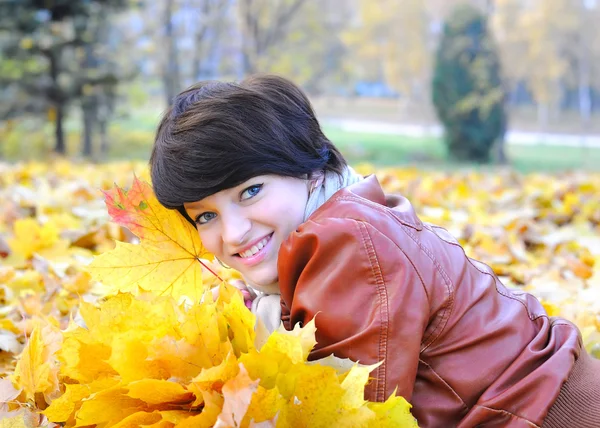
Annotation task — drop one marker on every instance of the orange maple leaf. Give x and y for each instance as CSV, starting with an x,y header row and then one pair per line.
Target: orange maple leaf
x,y
168,259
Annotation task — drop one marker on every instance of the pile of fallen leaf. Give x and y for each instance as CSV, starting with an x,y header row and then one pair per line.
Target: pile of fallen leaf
x,y
75,352
149,347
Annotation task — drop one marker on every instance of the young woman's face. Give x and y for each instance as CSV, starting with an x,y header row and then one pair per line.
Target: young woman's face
x,y
244,226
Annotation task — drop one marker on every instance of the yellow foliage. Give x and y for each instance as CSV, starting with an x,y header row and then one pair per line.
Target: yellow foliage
x,y
132,357
116,371
37,369
168,258
31,238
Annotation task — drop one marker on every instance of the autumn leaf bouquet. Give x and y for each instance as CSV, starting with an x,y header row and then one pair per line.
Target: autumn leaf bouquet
x,y
158,351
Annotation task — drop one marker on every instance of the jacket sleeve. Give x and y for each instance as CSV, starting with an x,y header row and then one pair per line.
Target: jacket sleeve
x,y
368,300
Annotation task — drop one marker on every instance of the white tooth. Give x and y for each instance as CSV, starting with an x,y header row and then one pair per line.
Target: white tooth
x,y
255,248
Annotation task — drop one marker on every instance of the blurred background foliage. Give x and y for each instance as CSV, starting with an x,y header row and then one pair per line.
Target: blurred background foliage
x,y
511,81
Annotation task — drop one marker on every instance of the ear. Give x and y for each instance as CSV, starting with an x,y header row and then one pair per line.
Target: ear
x,y
316,181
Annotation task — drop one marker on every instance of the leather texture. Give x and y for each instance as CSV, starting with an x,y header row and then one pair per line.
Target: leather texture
x,y
383,286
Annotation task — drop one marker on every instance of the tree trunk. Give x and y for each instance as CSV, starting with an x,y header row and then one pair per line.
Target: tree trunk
x,y
89,104
103,131
59,106
501,157
199,40
88,124
584,76
542,114
59,136
171,75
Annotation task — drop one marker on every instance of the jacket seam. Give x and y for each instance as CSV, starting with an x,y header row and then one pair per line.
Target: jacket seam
x,y
414,267
444,382
493,276
499,291
382,292
445,312
527,421
378,207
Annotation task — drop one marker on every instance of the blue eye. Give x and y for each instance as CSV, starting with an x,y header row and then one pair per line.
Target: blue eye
x,y
251,191
205,217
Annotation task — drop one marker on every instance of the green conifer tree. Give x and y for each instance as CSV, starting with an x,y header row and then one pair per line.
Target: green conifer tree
x,y
467,89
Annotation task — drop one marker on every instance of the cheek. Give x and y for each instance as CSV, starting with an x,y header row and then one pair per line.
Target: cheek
x,y
290,215
210,241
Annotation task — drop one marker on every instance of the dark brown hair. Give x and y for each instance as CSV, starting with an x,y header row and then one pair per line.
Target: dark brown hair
x,y
217,135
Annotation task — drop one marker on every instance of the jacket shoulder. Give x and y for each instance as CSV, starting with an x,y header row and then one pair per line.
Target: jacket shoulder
x,y
346,204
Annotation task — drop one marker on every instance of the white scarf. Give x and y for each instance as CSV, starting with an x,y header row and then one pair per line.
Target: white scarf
x,y
267,306
328,186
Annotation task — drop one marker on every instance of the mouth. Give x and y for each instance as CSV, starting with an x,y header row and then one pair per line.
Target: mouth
x,y
256,253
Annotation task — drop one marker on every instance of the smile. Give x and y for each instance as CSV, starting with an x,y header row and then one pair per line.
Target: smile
x,y
255,248
256,253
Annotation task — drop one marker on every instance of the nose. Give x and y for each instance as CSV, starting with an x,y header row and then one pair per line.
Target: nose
x,y
234,227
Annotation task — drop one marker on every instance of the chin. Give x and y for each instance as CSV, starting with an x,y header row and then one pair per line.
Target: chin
x,y
265,284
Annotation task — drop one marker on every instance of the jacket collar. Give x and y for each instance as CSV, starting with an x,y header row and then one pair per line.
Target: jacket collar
x,y
369,188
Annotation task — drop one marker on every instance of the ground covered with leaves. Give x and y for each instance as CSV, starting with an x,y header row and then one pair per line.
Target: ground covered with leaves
x,y
76,352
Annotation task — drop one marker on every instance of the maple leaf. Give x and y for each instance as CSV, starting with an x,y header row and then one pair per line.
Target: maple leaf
x,y
32,238
168,259
237,393
8,394
393,412
37,369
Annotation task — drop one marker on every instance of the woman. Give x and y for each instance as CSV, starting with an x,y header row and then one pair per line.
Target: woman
x,y
272,197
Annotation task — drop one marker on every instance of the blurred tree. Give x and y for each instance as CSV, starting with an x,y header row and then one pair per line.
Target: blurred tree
x,y
208,28
295,38
41,46
467,90
98,77
585,55
534,38
171,72
391,43
181,38
263,25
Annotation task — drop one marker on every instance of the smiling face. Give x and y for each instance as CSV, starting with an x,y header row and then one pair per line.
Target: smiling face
x,y
244,226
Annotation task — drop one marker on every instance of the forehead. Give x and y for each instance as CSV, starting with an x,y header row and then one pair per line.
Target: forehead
x,y
212,199
226,194
278,185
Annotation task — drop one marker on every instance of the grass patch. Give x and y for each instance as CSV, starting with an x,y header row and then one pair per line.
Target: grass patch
x,y
386,150
430,152
553,158
132,138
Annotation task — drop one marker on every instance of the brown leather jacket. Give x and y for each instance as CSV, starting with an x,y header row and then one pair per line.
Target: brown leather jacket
x,y
454,341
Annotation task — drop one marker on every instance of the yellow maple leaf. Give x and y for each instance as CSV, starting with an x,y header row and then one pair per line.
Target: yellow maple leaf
x,y
107,407
168,259
155,391
139,419
237,393
61,409
37,369
32,238
14,419
213,378
213,403
395,412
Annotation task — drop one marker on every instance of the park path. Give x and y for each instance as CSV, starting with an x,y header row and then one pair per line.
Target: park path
x,y
512,137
